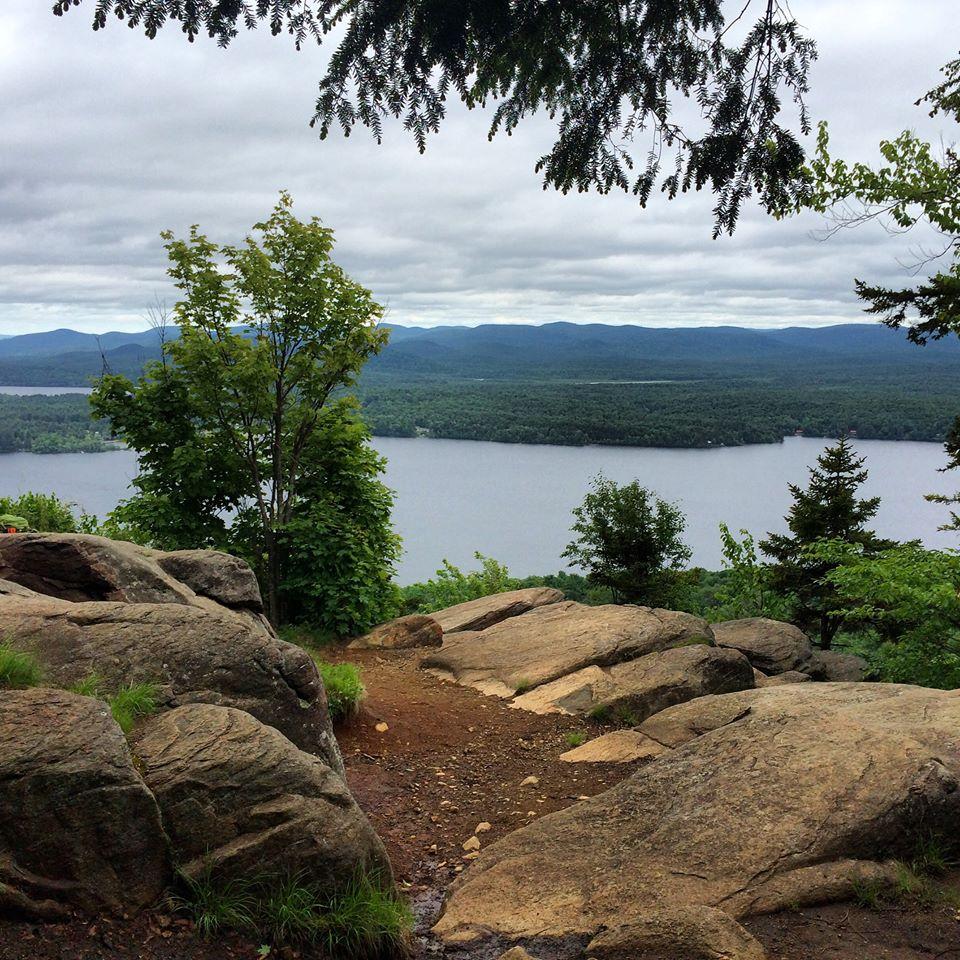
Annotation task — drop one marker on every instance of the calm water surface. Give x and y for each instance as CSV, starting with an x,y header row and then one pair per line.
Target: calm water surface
x,y
513,501
42,391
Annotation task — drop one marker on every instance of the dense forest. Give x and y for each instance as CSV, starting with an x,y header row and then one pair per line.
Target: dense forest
x,y
44,424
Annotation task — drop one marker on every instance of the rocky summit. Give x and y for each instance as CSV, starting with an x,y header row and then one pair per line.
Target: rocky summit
x,y
238,771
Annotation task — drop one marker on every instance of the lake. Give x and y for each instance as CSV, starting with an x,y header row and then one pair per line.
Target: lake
x,y
42,391
513,501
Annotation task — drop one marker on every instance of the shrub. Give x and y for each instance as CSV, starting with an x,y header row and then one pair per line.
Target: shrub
x,y
47,513
451,586
132,701
344,688
18,670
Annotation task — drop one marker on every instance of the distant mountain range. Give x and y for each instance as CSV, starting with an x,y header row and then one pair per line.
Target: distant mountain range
x,y
517,351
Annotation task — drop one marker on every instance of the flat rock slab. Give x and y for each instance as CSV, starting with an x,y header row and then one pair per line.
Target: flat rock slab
x,y
194,654
619,746
485,612
403,633
558,639
778,796
770,645
642,687
240,800
78,826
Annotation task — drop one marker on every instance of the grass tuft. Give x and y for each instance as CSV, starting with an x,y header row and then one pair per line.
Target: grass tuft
x,y
90,686
18,670
214,906
132,701
575,738
344,687
869,893
362,920
524,686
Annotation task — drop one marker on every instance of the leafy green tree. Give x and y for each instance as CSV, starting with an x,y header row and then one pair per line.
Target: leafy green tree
x,y
629,540
748,590
229,424
827,510
903,605
917,184
609,74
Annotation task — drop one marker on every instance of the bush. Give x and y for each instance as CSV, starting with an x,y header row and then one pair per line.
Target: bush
x,y
344,688
451,586
18,670
361,920
47,513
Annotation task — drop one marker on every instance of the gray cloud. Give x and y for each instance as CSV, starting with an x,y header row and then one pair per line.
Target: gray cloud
x,y
109,138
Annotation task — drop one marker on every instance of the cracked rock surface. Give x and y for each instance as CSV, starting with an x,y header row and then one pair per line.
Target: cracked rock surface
x,y
765,799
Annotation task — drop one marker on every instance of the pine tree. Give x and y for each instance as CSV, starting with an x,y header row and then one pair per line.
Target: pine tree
x,y
827,510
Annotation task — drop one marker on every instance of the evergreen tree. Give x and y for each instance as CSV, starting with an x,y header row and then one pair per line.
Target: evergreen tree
x,y
827,510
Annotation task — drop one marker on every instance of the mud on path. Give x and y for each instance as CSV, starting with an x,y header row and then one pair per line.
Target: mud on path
x,y
449,760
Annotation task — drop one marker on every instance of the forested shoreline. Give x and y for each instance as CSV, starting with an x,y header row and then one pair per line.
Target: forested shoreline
x,y
679,414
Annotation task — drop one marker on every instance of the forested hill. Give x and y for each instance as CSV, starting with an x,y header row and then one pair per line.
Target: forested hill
x,y
578,384
516,351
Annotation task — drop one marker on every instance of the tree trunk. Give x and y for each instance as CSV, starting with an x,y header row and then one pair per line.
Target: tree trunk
x,y
272,599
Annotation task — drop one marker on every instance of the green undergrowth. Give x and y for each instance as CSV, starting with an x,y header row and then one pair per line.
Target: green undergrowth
x,y
620,716
345,690
307,636
128,703
364,919
918,879
575,738
18,670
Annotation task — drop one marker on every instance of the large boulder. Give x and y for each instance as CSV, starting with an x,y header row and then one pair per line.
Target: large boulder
x,y
642,687
832,665
403,633
554,640
195,654
210,573
770,645
239,799
78,826
485,612
80,567
780,796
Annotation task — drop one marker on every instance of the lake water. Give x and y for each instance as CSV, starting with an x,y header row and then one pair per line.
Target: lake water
x,y
42,391
513,501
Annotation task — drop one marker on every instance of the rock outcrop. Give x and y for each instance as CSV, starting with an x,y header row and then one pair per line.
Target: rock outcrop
x,y
415,630
195,654
837,667
768,798
771,646
485,612
78,826
642,687
618,746
558,639
238,798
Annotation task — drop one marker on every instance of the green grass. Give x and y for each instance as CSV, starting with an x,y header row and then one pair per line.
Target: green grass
x,y
18,670
524,686
362,920
90,686
869,893
132,701
215,906
575,738
622,715
932,856
344,688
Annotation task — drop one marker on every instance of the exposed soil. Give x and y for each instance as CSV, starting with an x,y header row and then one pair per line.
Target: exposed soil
x,y
448,761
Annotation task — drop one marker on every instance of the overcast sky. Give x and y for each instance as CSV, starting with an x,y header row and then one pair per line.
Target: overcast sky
x,y
108,138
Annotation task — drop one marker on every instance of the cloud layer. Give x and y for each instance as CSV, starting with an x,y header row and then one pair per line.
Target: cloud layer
x,y
109,138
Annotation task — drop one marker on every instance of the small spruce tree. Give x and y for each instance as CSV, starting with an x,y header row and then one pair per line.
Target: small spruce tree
x,y
827,510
